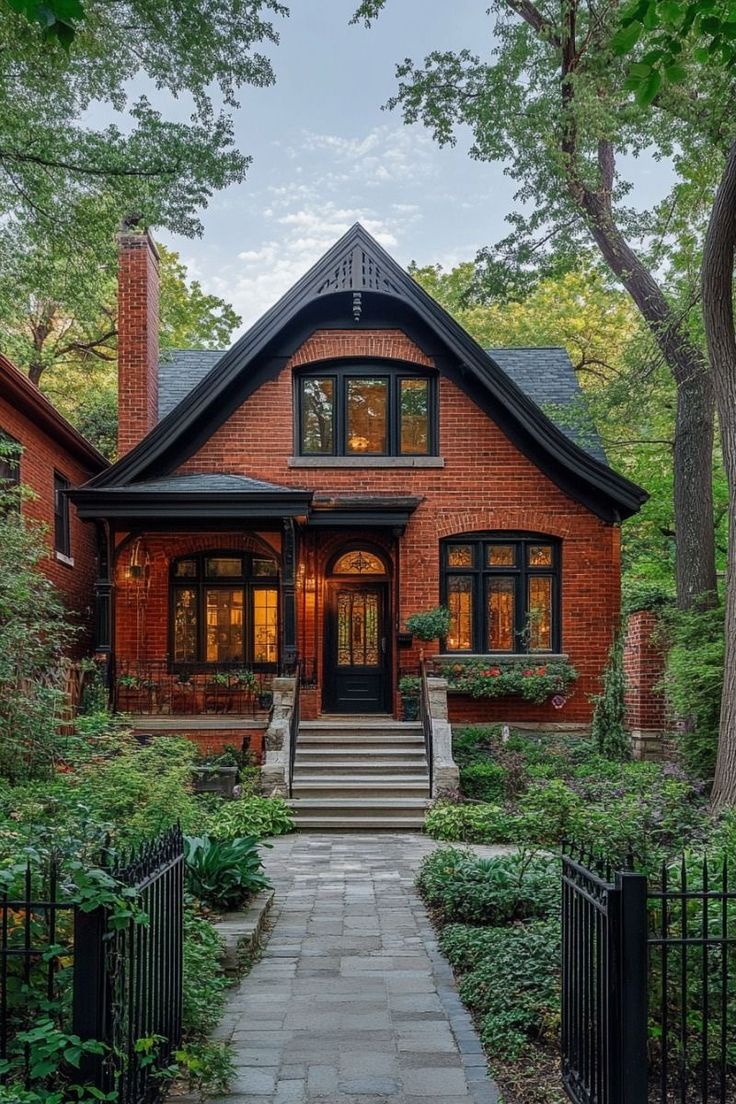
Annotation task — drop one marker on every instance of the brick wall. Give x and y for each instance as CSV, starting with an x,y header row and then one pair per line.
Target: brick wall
x,y
42,456
644,663
486,483
138,296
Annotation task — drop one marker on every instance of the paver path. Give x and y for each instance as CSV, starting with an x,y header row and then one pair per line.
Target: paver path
x,y
352,1003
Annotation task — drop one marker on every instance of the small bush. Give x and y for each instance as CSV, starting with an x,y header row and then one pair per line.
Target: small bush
x,y
223,874
250,816
483,780
467,823
609,715
694,684
515,987
468,890
204,983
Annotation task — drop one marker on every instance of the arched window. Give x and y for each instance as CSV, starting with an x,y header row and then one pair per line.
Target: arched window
x,y
359,409
224,609
503,593
358,562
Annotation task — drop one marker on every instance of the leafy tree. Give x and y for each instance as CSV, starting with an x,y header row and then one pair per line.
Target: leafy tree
x,y
550,105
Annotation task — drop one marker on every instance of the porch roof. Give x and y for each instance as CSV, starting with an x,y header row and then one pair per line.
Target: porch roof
x,y
362,509
204,495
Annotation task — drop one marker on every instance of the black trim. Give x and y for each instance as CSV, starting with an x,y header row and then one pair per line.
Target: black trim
x,y
92,502
62,520
480,572
322,292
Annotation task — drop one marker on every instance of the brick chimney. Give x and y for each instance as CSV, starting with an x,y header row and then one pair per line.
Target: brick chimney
x,y
138,285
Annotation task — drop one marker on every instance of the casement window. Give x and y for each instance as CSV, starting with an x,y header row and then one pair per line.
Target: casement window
x,y
10,450
62,529
224,610
366,410
503,593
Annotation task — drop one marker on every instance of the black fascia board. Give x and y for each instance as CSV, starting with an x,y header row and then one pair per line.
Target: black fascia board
x,y
102,503
272,339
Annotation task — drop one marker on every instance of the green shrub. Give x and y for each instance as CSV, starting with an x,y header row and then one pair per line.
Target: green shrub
x,y
547,813
609,714
467,823
694,684
433,624
483,780
515,987
250,816
223,874
469,890
204,983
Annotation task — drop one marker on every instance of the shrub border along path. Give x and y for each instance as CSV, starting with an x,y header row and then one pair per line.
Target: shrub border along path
x,y
352,998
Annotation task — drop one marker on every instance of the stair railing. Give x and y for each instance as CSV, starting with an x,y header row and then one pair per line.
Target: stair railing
x,y
294,724
425,714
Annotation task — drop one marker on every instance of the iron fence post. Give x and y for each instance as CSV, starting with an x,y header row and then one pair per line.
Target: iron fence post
x,y
88,1001
632,968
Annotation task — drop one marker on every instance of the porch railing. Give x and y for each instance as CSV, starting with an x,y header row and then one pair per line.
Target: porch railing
x,y
153,689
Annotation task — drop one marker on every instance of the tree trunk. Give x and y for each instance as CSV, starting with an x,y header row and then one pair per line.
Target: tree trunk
x,y
695,563
718,277
35,371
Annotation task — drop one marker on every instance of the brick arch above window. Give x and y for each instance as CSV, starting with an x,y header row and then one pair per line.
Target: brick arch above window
x,y
391,344
531,521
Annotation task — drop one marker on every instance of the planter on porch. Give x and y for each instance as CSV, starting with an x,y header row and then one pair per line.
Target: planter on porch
x,y
215,779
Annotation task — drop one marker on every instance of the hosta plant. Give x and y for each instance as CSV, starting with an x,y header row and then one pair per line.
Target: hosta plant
x,y
223,873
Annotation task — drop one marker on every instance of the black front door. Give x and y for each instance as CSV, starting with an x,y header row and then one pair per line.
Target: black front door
x,y
356,649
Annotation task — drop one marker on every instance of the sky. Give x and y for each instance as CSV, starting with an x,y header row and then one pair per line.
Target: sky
x,y
325,154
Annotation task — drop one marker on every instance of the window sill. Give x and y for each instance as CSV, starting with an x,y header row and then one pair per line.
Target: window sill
x,y
499,657
366,462
62,558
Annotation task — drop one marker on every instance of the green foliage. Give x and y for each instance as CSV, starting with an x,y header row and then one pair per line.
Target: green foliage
x,y
56,19
484,781
463,888
694,684
34,633
431,624
223,873
207,1066
409,686
250,816
446,820
645,594
530,680
204,983
609,714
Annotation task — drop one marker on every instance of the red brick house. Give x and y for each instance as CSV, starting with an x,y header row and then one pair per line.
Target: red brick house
x,y
53,457
354,458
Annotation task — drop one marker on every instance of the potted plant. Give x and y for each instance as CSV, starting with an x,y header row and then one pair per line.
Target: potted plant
x,y
409,687
134,693
217,773
432,624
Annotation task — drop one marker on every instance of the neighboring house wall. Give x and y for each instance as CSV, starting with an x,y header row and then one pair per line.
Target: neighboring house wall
x,y
42,456
486,484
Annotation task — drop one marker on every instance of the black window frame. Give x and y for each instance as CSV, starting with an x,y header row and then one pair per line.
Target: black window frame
x,y
248,581
62,516
521,572
393,372
10,469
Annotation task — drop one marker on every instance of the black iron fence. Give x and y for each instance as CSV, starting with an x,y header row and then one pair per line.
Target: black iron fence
x,y
153,689
111,978
649,984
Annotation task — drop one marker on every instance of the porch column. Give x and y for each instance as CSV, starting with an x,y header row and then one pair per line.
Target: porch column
x,y
288,596
103,598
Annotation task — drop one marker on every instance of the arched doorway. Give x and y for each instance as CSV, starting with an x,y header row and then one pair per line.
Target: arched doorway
x,y
357,661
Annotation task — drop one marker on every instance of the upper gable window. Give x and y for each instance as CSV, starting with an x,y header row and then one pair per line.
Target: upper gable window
x,y
367,410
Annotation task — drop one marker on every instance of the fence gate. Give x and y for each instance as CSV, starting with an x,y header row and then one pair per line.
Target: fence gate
x,y
604,986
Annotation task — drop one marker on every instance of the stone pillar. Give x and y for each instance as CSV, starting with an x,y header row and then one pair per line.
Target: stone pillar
x,y
644,666
275,769
445,774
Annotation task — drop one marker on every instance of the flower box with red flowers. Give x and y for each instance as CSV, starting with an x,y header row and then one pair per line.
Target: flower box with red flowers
x,y
534,682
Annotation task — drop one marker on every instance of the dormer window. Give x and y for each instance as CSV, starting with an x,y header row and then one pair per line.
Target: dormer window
x,y
367,410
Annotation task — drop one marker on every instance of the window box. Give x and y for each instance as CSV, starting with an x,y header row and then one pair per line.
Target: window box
x,y
536,679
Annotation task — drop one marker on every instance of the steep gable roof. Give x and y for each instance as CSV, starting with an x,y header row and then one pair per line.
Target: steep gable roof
x,y
352,278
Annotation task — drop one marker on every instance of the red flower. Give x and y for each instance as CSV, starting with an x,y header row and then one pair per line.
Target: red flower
x,y
541,670
495,671
528,672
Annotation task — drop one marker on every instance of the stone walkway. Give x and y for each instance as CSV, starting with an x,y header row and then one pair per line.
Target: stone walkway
x,y
352,1003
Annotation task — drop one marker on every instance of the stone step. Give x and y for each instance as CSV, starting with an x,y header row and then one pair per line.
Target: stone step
x,y
349,724
368,765
366,737
355,806
370,824
359,788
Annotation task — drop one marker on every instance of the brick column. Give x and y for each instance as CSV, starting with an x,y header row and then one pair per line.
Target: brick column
x,y
644,664
138,293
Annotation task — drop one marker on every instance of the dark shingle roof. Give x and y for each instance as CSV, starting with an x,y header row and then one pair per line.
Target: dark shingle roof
x,y
204,482
546,375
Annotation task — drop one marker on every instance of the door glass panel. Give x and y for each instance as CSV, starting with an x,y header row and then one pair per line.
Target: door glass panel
x,y
224,625
501,555
265,625
185,625
186,569
415,416
460,555
540,613
318,416
358,563
539,555
358,629
223,567
460,604
501,614
367,408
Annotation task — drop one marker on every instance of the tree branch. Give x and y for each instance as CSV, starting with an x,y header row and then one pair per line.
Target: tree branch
x,y
538,22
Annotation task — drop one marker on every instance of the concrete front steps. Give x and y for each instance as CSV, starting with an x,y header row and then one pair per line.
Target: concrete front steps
x,y
360,773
